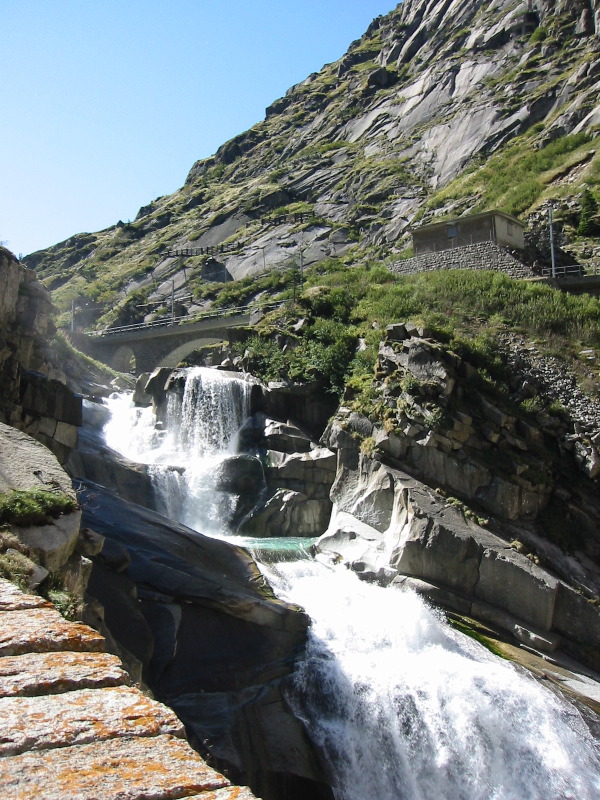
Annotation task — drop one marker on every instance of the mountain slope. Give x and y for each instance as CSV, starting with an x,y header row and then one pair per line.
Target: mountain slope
x,y
442,107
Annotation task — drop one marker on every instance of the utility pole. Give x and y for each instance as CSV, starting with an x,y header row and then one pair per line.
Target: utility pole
x,y
552,250
172,301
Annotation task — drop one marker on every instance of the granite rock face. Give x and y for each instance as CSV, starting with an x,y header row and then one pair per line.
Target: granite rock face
x,y
220,643
58,545
33,393
489,509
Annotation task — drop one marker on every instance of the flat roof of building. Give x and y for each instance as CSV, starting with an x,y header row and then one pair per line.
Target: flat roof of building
x,y
482,215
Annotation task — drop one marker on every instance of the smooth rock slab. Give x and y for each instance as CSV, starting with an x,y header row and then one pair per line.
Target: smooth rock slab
x,y
41,630
81,717
34,674
147,768
13,599
29,465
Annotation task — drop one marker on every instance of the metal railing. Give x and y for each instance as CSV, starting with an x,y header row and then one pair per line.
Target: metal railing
x,y
164,323
568,271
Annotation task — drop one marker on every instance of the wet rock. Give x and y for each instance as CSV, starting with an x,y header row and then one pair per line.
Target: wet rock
x,y
241,474
288,513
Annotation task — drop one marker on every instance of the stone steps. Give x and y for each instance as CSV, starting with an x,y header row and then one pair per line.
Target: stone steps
x,y
72,727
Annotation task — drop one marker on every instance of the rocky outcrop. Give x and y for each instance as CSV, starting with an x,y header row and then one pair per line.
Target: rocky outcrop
x,y
391,528
452,429
33,394
214,642
484,507
298,475
57,546
73,727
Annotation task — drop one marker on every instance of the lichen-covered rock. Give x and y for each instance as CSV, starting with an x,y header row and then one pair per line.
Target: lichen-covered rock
x,y
38,630
151,768
33,674
81,717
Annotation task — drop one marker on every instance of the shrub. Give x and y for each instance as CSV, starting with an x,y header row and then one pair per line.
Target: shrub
x,y
588,225
33,506
538,35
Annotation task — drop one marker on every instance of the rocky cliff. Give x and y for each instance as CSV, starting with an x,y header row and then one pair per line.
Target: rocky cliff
x,y
34,396
439,109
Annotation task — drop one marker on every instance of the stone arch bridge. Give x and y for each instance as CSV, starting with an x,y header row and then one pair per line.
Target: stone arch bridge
x,y
142,348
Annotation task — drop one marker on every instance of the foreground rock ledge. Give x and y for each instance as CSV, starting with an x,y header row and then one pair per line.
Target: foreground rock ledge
x,y
71,729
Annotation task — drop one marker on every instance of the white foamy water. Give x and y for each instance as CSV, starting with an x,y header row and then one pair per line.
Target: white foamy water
x,y
200,430
400,705
405,708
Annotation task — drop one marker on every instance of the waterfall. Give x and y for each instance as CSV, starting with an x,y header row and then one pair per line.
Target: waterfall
x,y
183,454
400,705
403,707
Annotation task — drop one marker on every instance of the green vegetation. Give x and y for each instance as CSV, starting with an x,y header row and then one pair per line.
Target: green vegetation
x,y
18,562
343,305
15,562
67,352
473,629
323,353
514,179
33,506
539,35
588,224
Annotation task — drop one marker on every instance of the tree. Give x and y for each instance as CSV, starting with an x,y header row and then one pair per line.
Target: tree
x,y
588,224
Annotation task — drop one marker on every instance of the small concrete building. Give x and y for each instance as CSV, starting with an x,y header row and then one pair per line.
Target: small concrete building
x,y
489,226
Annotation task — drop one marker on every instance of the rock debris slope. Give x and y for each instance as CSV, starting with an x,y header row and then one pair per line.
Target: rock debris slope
x,y
72,727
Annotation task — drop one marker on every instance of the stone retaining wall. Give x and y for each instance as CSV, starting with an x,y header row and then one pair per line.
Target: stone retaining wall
x,y
72,727
485,255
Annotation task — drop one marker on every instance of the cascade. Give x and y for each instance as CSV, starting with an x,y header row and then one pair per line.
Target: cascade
x,y
403,707
184,452
400,705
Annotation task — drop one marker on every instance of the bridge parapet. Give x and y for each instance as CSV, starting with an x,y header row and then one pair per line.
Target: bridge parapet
x,y
144,346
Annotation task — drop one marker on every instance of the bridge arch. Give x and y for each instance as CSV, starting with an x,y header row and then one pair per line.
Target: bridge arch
x,y
124,359
177,355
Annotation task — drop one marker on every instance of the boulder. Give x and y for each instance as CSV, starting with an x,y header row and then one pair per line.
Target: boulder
x,y
288,513
53,544
311,473
285,438
305,403
240,474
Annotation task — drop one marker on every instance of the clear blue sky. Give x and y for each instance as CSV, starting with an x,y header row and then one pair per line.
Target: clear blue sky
x,y
106,104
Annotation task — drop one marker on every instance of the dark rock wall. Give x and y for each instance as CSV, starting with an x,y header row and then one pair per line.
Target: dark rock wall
x,y
33,395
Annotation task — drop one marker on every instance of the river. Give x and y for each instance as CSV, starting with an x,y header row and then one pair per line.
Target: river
x,y
400,705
